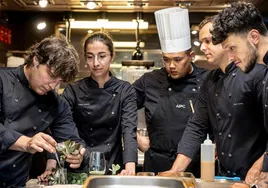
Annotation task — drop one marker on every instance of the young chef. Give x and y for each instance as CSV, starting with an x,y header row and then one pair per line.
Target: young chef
x,y
245,37
229,103
168,94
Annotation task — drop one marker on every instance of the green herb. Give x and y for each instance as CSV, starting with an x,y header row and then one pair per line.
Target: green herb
x,y
77,178
68,147
72,178
58,175
114,169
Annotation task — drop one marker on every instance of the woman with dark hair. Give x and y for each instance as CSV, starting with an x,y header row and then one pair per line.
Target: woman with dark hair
x,y
104,107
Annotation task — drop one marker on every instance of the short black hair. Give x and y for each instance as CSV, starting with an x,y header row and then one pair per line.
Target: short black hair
x,y
239,18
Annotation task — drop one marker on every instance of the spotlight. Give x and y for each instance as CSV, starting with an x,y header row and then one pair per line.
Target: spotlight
x,y
43,3
91,5
41,25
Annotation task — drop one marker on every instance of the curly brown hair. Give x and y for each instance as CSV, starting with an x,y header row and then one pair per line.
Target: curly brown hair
x,y
239,18
59,55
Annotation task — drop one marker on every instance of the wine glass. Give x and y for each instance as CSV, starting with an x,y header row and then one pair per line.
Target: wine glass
x,y
97,163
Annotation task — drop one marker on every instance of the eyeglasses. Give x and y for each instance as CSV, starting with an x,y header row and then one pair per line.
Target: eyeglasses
x,y
90,58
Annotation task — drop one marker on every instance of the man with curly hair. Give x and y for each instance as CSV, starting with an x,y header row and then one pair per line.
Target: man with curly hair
x,y
241,30
29,105
229,105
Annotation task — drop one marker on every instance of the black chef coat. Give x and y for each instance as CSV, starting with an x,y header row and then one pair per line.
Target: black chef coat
x,y
230,104
103,115
24,112
265,108
167,110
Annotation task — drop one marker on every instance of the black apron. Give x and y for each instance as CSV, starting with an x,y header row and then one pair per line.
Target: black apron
x,y
168,123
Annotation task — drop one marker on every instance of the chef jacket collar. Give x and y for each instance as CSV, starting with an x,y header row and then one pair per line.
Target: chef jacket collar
x,y
192,74
21,75
95,84
265,58
229,69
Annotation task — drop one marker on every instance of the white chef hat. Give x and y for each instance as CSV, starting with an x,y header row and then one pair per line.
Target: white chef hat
x,y
173,29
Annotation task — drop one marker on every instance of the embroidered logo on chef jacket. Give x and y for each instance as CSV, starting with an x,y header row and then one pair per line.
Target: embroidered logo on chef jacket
x,y
180,106
84,104
238,104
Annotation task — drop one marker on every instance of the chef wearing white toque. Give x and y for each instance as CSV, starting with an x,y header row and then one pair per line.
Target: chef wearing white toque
x,y
168,94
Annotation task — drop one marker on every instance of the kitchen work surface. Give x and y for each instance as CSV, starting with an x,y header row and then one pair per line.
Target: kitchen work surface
x,y
33,183
133,182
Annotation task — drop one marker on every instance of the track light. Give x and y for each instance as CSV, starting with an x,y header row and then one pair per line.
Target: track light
x,y
43,3
91,5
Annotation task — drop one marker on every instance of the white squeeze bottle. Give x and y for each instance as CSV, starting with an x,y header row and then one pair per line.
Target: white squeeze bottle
x,y
207,160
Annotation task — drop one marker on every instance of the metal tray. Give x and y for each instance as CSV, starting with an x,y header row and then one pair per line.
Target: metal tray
x,y
133,182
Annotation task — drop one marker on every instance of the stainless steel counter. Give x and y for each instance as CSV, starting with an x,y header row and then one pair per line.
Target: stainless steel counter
x,y
33,183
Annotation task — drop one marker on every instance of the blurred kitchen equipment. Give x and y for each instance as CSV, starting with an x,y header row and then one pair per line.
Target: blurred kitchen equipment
x,y
137,55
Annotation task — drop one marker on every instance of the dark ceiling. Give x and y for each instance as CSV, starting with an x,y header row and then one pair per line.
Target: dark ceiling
x,y
123,5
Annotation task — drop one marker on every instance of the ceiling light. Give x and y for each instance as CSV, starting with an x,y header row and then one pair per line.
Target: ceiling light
x,y
41,25
196,43
127,44
106,24
91,5
194,32
43,3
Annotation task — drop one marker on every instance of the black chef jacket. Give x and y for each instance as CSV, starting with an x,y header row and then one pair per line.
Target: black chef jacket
x,y
23,112
230,104
265,103
102,115
167,110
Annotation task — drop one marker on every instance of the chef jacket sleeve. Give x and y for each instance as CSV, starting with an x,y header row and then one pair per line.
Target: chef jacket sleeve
x,y
129,122
139,86
64,127
7,136
197,127
265,160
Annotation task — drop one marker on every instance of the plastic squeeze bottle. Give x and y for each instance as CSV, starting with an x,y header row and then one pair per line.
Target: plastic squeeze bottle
x,y
207,160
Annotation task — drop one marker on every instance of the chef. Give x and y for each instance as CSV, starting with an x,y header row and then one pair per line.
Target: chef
x,y
229,103
248,33
29,105
168,94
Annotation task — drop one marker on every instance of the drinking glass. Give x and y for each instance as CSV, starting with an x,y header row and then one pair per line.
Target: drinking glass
x,y
97,163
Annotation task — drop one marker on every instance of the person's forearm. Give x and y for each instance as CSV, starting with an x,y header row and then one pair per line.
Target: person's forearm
x,y
143,142
20,144
181,163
